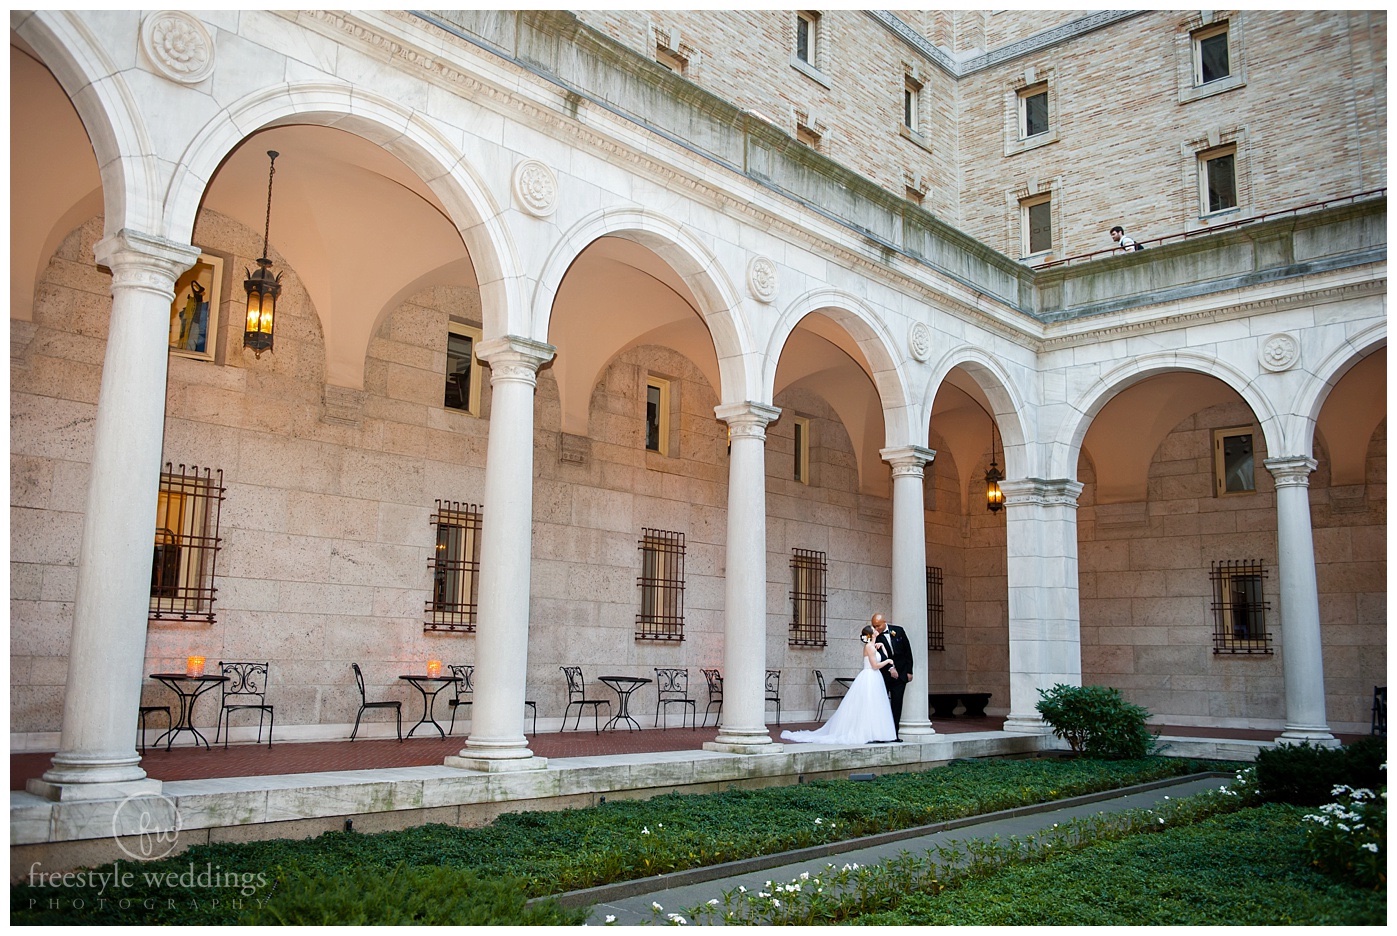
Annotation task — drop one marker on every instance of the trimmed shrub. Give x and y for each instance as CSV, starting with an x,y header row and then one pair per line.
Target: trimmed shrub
x,y
1097,721
1305,774
403,896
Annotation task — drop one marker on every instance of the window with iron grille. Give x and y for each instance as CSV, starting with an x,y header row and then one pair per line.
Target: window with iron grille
x,y
808,598
455,566
661,584
935,610
186,544
1239,607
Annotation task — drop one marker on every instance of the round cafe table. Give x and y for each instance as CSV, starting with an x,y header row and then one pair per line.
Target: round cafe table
x,y
624,686
188,688
429,686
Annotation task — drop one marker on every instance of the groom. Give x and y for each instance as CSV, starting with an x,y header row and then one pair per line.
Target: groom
x,y
896,677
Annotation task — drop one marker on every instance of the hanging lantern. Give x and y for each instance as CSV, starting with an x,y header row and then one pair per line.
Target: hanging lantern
x,y
262,287
994,497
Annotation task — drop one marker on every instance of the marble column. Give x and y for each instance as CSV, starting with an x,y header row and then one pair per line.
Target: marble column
x,y
1045,641
743,728
1301,648
497,741
97,756
909,580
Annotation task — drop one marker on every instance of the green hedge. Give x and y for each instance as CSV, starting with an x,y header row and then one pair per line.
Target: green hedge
x,y
1306,775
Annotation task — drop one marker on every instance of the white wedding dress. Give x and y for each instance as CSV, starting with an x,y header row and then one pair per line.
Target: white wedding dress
x,y
864,715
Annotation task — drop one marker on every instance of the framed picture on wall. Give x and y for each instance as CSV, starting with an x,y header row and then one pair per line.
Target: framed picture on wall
x,y
194,313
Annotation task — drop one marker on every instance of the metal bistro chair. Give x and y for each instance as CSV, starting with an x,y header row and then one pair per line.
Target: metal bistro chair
x,y
244,690
1380,710
463,687
825,695
672,686
145,712
577,695
715,693
365,704
773,690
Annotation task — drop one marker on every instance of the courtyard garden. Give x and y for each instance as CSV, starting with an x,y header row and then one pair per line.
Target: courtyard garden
x,y
1230,857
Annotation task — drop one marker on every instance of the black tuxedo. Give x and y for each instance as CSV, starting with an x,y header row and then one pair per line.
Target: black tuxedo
x,y
897,648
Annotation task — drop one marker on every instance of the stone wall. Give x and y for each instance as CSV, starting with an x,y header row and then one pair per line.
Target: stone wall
x,y
1146,594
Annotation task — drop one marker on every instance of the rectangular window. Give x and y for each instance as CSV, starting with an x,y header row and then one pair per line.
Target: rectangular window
x,y
186,544
935,610
661,584
911,104
1038,225
657,415
462,368
802,450
807,598
1239,607
1033,111
1233,461
1211,59
1218,178
807,37
455,566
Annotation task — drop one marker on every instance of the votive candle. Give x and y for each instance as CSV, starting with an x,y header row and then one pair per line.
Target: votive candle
x,y
434,668
194,666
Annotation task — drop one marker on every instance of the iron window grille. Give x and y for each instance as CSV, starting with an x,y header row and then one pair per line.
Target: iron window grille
x,y
1239,607
455,566
808,598
186,544
661,585
935,609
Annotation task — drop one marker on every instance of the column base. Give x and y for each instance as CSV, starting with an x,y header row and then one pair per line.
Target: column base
x,y
67,792
743,742
1317,735
496,765
917,731
1027,724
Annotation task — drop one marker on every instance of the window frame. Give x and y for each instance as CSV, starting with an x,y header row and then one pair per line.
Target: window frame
x,y
911,104
935,608
1250,637
473,383
1196,40
661,584
1040,89
662,422
801,456
207,272
1205,160
1219,452
809,598
812,63
194,546
458,616
1026,206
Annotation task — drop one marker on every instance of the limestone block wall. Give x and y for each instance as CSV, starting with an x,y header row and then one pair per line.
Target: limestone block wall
x,y
1146,595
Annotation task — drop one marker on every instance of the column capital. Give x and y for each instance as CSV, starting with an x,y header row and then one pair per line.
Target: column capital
x,y
144,260
747,419
1291,469
1056,492
514,357
907,460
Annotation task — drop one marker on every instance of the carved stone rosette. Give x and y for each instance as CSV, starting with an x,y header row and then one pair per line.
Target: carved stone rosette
x,y
761,279
919,341
1281,352
178,46
536,188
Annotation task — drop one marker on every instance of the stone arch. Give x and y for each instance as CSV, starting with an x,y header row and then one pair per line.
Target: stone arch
x,y
1310,400
1073,429
718,299
1007,405
874,341
400,130
109,113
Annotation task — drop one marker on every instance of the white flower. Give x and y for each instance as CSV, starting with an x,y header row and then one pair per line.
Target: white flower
x,y
1372,847
611,918
741,889
1161,820
805,875
644,830
818,820
713,902
776,903
657,907
662,825
677,919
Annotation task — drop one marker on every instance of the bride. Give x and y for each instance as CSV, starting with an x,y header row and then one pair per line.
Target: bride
x,y
864,714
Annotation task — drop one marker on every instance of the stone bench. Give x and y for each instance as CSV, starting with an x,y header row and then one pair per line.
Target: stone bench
x,y
943,704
